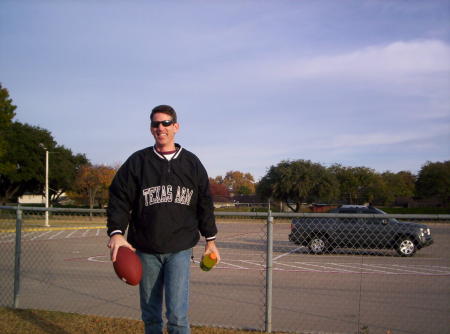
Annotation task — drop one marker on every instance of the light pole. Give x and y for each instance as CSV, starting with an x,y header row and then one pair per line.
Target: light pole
x,y
46,188
46,184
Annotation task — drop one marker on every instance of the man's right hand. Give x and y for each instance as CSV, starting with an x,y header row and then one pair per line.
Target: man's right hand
x,y
116,241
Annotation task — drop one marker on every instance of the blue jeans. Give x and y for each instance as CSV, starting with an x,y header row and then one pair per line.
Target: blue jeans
x,y
168,274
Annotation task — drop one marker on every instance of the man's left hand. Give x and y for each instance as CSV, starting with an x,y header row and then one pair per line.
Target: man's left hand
x,y
211,247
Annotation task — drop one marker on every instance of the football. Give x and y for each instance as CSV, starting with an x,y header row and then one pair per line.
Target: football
x,y
128,266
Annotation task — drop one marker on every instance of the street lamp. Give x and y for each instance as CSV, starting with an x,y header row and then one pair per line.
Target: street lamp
x,y
46,184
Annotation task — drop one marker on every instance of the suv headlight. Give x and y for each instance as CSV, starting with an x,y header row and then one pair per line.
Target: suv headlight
x,y
422,232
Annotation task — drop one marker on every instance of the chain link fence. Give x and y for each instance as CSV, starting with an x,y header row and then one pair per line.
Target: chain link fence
x,y
299,273
362,274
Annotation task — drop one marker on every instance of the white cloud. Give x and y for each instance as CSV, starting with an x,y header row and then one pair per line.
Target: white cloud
x,y
376,62
372,138
419,67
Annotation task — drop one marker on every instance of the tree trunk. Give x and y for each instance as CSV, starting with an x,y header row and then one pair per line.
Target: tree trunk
x,y
91,201
54,198
9,193
296,208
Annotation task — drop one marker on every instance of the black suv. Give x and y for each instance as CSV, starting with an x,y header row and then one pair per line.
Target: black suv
x,y
323,234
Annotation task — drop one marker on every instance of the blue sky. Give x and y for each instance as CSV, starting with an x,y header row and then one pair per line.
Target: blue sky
x,y
360,83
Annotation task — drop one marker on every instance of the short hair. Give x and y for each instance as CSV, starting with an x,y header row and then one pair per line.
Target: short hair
x,y
164,109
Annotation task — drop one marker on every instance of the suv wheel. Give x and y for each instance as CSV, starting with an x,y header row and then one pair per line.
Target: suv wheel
x,y
406,246
318,245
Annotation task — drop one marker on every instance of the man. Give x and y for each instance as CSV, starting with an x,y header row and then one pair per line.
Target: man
x,y
161,194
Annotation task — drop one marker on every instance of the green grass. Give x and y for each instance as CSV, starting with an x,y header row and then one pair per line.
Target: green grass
x,y
55,221
27,321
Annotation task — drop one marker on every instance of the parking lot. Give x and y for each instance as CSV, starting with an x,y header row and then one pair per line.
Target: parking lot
x,y
69,270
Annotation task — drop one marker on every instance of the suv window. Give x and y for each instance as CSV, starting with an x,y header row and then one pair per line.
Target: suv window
x,y
347,210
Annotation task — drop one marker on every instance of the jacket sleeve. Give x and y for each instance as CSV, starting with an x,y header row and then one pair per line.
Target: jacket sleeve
x,y
122,193
205,206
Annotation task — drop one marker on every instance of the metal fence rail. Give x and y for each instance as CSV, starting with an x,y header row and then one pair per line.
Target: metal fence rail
x,y
276,274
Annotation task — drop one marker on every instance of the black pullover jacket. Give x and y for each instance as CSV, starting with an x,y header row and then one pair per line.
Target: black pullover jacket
x,y
164,203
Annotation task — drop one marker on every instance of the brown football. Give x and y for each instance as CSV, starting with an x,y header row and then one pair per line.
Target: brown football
x,y
128,266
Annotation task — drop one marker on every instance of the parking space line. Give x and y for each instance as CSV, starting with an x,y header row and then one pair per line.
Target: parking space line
x,y
326,268
71,233
292,266
231,264
96,258
403,270
32,229
28,235
55,235
286,254
250,262
5,235
361,269
12,238
331,268
235,236
429,268
40,235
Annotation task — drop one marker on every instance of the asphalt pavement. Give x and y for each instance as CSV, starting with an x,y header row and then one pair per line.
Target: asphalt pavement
x,y
69,270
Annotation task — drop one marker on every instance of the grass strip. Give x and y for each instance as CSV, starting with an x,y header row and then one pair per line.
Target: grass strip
x,y
30,321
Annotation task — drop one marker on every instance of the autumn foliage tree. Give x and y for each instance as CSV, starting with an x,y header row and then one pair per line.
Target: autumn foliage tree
x,y
218,189
238,183
92,183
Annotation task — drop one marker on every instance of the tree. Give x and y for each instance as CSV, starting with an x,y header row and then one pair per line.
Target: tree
x,y
348,182
23,164
401,184
6,115
296,182
358,184
239,183
6,107
375,191
218,179
63,169
433,181
92,183
244,190
218,189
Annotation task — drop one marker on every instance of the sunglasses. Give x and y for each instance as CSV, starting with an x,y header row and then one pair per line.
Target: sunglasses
x,y
165,124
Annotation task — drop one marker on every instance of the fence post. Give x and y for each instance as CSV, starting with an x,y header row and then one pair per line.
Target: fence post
x,y
269,265
17,256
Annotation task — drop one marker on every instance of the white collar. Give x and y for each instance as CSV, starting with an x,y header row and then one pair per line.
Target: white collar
x,y
169,156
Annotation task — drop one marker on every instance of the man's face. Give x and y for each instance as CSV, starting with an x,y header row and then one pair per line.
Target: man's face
x,y
164,135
